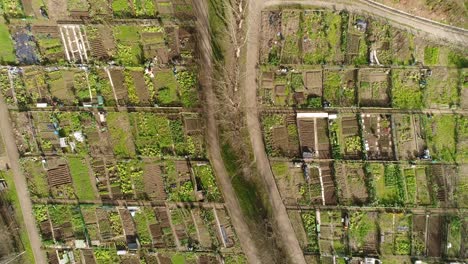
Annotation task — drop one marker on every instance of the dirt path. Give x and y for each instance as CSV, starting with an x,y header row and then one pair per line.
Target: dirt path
x,y
287,237
212,138
21,187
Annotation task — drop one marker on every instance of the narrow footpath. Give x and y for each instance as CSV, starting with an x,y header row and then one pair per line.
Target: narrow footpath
x,y
21,187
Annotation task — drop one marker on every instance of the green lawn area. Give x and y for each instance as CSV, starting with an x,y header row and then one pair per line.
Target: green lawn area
x,y
7,51
81,181
37,184
121,8
128,48
13,197
440,136
166,83
386,190
178,259
406,92
431,55
121,135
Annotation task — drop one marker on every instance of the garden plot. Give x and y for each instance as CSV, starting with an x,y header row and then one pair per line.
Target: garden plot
x,y
13,8
167,237
49,41
120,134
299,230
45,131
226,233
339,87
363,233
101,85
100,9
464,89
126,37
461,187
462,139
183,11
69,86
313,83
379,36
122,8
440,133
351,180
443,179
406,89
5,87
25,46
101,41
91,221
345,137
409,138
18,91
178,181
281,137
59,179
67,223
165,8
135,84
395,233
332,239
75,42
117,78
374,87
144,218
130,179
417,185
356,44
153,44
322,41
270,39
309,226
184,227
157,135
82,183
377,133
389,184
402,47
284,89
206,182
153,180
166,87
313,137
298,183
329,187
35,82
109,222
456,239
36,177
442,88
290,32
24,134
434,236
98,166
97,139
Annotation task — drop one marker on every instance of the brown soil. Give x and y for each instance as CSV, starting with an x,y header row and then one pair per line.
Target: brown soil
x,y
119,84
141,89
377,136
434,236
351,178
452,12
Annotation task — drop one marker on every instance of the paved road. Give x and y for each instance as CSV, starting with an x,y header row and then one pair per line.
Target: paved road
x,y
212,137
399,19
21,187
